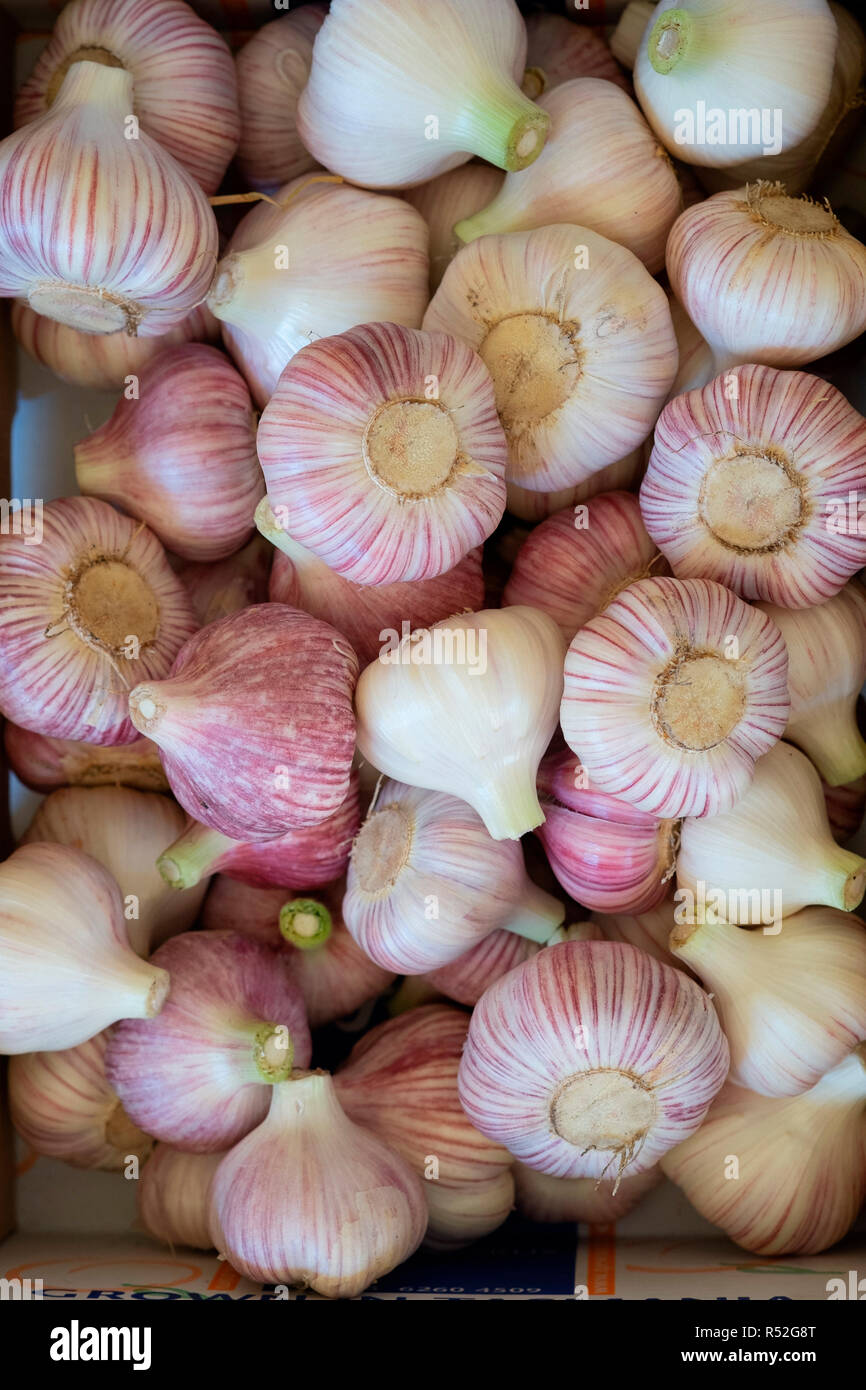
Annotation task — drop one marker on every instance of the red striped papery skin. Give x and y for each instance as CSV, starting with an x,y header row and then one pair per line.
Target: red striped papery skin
x,y
571,566
192,1081
70,179
255,722
362,612
61,1105
466,978
335,978
310,445
50,680
610,673
220,587
272,70
183,75
542,1198
584,1006
563,50
181,455
47,763
535,506
649,931
801,1163
174,1194
607,855
101,361
795,416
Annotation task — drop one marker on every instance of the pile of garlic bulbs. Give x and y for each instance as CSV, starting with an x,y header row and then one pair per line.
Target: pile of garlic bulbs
x,y
458,626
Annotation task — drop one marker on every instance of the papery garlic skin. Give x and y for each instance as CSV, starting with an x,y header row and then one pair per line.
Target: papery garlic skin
x,y
381,67
476,727
578,339
124,830
558,51
466,978
768,278
445,201
384,480
181,70
174,1196
801,1163
792,1002
460,1215
180,455
845,808
579,559
696,55
535,506
363,612
220,587
88,612
63,1107
542,1198
272,70
826,670
67,180
597,184
327,258
245,753
46,763
750,483
67,970
591,1060
422,850
231,1029
102,361
311,1199
697,365
672,693
772,854
648,931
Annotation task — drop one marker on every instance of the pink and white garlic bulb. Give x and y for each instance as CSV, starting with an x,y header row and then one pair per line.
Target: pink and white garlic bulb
x,y
449,199
174,1196
558,51
542,1198
220,587
46,763
534,506
272,71
466,978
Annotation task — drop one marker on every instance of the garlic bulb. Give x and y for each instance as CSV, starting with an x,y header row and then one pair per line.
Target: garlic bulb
x,y
400,1082
333,974
697,365
426,882
459,1215
45,763
792,1004
845,808
88,611
766,277
607,855
468,707
382,453
578,339
672,693
466,978
542,1198
233,1025
826,669
781,1176
648,931
630,28
67,969
311,1199
272,69
595,183
535,506
102,361
364,612
63,1107
578,560
751,480
448,199
770,856
699,62
558,51
68,180
327,258
308,856
246,752
179,69
220,587
180,454
591,1057
381,67
174,1196
124,830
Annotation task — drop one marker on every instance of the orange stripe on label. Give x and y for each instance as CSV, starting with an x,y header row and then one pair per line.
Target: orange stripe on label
x,y
226,1279
601,1260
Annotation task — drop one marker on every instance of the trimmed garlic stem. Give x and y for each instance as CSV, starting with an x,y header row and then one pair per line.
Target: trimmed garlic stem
x,y
508,129
305,923
537,917
185,862
834,744
509,805
841,880
273,1053
626,38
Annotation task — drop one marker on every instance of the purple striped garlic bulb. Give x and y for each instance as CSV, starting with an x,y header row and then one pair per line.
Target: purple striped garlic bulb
x,y
592,1060
90,610
536,506
220,587
673,693
383,454
649,931
466,978
558,51
101,228
247,751
755,481
43,763
273,68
